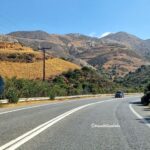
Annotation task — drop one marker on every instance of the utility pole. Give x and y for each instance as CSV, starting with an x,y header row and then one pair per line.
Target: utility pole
x,y
44,57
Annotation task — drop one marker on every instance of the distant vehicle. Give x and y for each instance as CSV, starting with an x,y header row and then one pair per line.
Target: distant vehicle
x,y
119,94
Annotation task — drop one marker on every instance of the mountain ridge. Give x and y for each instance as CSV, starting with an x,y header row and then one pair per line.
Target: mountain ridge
x,y
84,50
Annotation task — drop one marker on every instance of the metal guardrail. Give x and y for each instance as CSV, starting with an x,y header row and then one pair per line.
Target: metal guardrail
x,y
5,101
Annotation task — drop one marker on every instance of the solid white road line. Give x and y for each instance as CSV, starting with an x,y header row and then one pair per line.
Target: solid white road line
x,y
12,145
139,116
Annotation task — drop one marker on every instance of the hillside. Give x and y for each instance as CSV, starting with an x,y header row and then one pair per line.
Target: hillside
x,y
23,62
138,79
122,51
138,45
118,63
83,81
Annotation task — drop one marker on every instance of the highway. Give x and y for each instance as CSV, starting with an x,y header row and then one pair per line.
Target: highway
x,y
103,123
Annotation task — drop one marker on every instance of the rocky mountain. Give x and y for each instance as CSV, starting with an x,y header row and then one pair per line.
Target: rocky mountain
x,y
5,38
142,47
119,53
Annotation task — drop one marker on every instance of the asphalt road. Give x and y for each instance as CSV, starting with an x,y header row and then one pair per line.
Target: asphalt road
x,y
92,124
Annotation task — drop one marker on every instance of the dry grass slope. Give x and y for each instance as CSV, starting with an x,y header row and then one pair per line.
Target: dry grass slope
x,y
32,70
54,66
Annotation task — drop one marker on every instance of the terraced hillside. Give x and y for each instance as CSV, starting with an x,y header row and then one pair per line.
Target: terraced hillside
x,y
24,62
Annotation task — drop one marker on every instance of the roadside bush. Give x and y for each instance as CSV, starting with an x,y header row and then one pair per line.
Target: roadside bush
x,y
52,96
12,95
52,93
28,88
145,100
147,88
58,90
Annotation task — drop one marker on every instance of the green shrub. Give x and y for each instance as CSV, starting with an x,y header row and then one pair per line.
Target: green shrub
x,y
12,95
52,93
145,100
147,88
57,90
52,96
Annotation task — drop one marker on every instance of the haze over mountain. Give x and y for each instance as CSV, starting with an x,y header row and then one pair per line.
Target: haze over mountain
x,y
119,53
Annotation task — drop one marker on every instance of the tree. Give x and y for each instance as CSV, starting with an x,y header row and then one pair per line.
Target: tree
x,y
145,100
12,95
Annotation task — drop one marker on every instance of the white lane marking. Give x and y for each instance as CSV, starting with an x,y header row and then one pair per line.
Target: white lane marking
x,y
12,145
139,116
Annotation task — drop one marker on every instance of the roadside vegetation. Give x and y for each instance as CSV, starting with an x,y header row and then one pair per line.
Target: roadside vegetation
x,y
83,81
77,82
137,80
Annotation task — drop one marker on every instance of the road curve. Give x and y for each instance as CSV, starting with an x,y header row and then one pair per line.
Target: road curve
x,y
88,125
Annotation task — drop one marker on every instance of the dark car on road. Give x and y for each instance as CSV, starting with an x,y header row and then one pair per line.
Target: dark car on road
x,y
119,94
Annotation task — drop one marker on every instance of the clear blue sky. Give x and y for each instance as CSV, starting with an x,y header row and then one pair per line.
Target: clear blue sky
x,y
90,17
